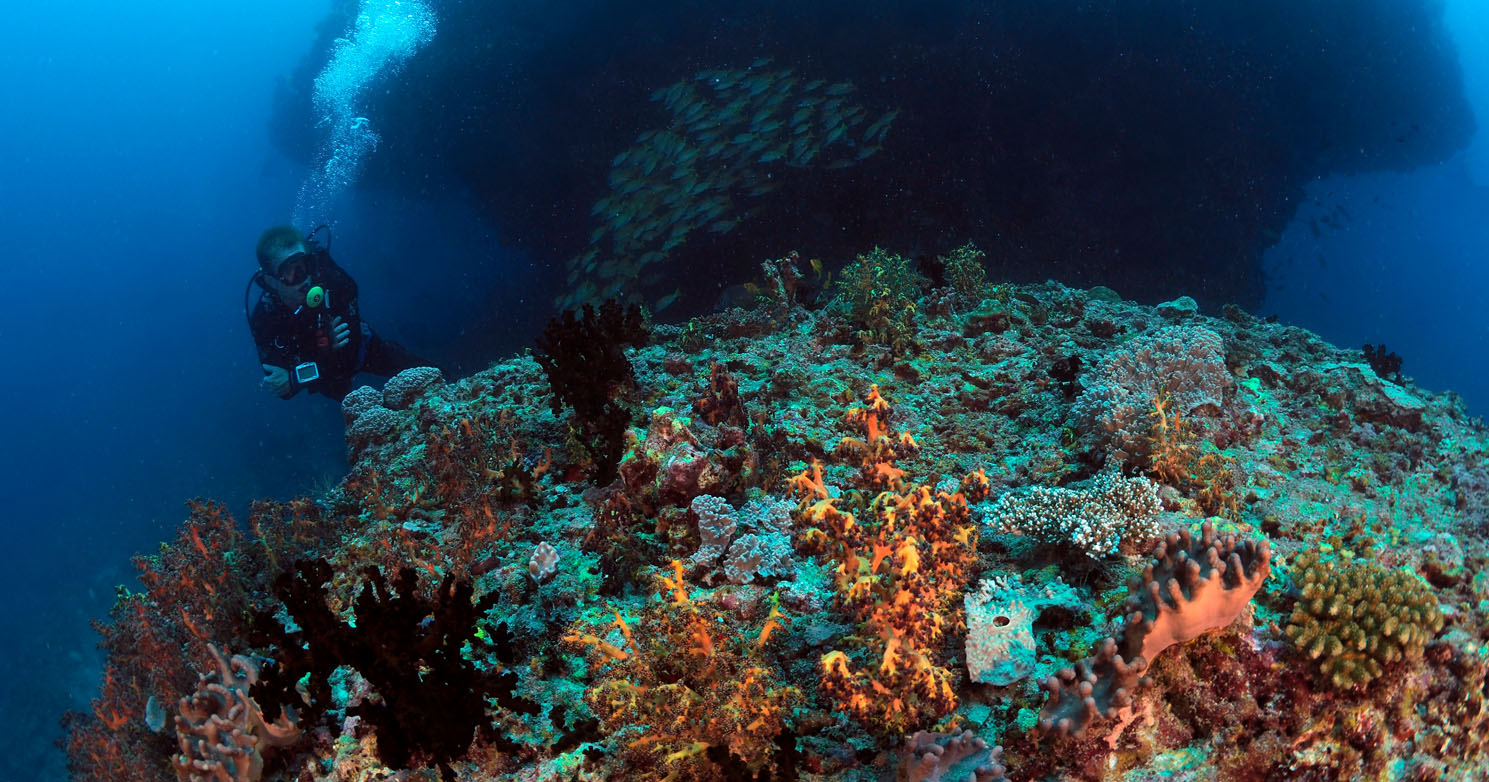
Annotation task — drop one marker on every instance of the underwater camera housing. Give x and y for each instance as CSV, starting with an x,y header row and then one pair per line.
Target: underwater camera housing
x,y
307,372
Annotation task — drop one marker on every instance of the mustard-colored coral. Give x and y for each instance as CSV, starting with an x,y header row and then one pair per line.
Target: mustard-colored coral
x,y
681,681
965,273
879,290
1354,618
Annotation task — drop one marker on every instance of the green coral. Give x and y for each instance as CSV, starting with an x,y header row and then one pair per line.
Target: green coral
x,y
879,291
965,273
1352,618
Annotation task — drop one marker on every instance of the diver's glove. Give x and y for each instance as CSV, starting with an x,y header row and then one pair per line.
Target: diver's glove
x,y
277,381
341,333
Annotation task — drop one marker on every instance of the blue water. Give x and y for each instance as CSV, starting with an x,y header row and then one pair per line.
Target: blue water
x,y
1402,257
139,171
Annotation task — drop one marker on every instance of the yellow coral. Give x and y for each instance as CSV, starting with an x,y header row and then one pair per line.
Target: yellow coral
x,y
1355,618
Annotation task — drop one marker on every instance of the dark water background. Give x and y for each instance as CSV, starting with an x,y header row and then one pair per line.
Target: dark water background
x,y
146,145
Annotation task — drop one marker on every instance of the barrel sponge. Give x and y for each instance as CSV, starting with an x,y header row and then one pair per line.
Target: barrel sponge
x,y
1353,618
1191,585
404,388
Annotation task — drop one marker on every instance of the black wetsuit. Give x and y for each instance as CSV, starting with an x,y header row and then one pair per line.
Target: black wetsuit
x,y
287,338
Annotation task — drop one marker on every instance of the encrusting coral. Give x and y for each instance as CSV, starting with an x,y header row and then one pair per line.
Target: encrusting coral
x,y
1355,618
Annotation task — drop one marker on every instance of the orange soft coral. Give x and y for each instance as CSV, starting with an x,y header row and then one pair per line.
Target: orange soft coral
x,y
684,684
902,562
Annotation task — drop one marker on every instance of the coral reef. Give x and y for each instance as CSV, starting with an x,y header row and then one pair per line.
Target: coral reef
x,y
1096,521
814,545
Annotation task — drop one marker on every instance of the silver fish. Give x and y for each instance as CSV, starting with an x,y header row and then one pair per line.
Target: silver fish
x,y
880,125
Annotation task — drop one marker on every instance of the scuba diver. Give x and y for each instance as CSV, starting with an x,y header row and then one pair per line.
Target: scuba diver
x,y
306,325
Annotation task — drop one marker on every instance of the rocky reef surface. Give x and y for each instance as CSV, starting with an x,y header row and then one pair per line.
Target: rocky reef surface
x,y
904,524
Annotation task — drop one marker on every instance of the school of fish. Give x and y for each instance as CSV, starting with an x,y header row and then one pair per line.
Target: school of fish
x,y
733,136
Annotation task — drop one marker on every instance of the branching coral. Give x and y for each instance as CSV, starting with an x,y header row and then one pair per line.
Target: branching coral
x,y
585,361
966,275
1096,520
902,561
1355,618
432,699
195,591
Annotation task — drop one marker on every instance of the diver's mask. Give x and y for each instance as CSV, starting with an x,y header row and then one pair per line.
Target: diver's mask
x,y
294,271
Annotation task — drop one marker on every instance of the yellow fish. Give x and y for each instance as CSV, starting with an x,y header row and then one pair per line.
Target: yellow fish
x,y
666,301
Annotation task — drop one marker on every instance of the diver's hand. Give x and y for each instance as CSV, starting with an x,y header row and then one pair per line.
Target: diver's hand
x,y
341,333
276,380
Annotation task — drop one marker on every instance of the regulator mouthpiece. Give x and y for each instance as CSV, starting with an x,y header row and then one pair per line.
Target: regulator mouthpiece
x,y
315,296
